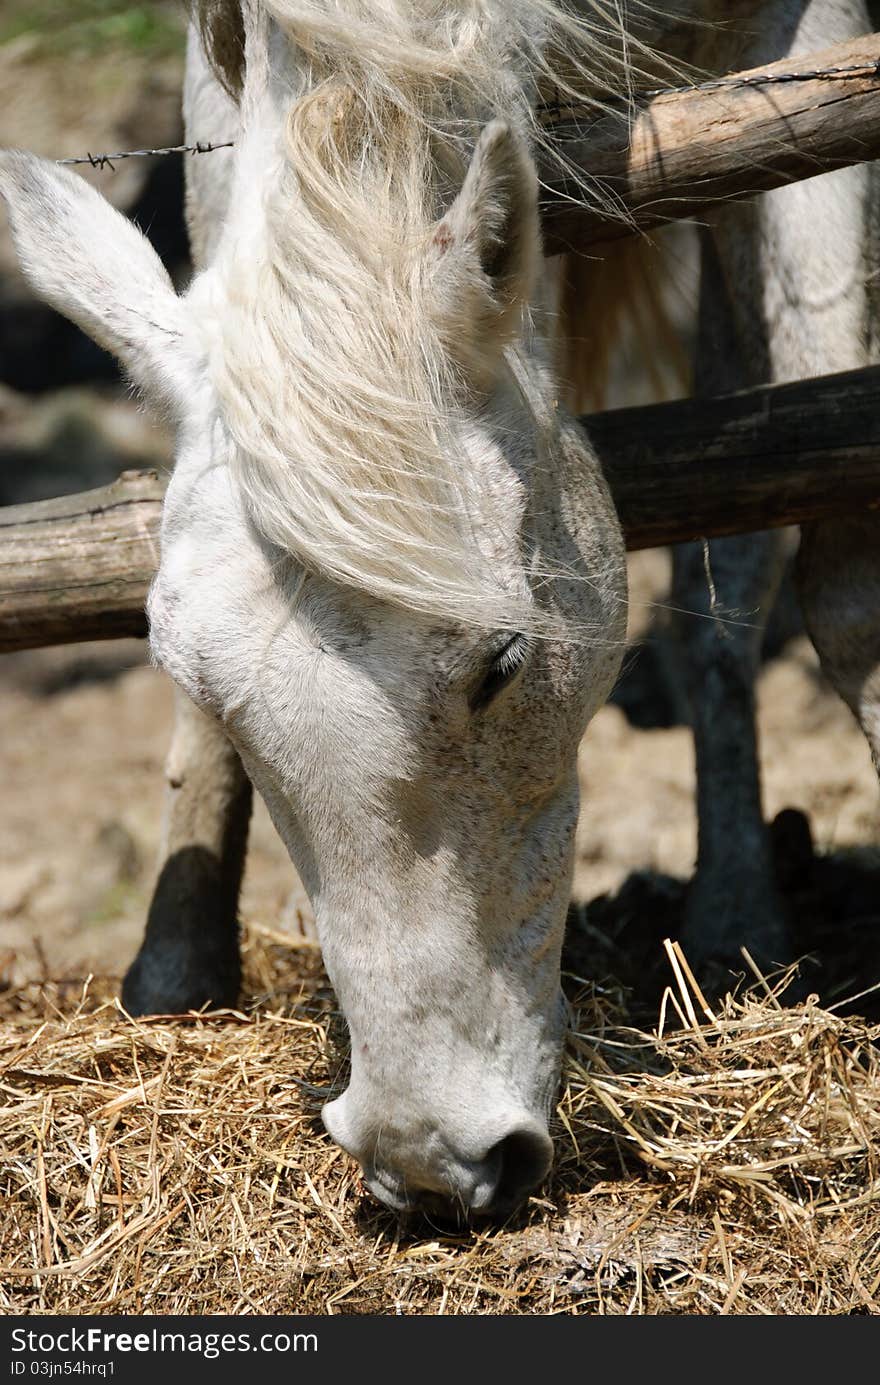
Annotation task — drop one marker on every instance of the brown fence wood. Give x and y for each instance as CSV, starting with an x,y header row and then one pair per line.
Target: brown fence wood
x,y
783,454
78,568
679,155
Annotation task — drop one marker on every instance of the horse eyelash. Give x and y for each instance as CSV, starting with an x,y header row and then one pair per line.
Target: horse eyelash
x,y
505,664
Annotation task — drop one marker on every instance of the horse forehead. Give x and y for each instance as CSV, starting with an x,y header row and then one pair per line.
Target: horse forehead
x,y
272,610
375,652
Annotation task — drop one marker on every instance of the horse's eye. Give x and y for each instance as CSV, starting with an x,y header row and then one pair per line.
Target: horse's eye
x,y
505,664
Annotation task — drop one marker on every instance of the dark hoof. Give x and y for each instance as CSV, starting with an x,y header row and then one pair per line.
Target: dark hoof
x,y
169,983
189,956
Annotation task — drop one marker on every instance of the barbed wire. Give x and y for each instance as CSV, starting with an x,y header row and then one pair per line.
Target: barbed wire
x,y
734,82
546,110
761,79
108,160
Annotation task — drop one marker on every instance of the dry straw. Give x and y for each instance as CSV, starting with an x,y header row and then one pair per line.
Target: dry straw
x,y
725,1163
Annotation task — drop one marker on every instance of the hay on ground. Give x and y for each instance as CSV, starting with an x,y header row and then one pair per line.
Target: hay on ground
x,y
724,1163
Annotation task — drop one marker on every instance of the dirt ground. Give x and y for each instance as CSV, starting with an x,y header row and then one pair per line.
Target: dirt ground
x,y
83,733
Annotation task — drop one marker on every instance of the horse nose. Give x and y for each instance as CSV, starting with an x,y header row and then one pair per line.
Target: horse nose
x,y
493,1184
512,1169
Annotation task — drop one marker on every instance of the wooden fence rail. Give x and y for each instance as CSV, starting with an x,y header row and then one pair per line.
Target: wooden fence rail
x,y
681,154
78,567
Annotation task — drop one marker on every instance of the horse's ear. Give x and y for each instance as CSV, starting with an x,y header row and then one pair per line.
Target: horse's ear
x,y
85,259
491,240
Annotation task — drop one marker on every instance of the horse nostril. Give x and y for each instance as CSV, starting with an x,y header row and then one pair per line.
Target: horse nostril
x,y
525,1157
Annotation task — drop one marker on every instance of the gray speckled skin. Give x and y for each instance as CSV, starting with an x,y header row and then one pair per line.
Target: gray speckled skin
x,y
434,840
838,573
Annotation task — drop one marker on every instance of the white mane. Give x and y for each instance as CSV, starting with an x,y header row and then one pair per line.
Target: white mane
x,y
351,349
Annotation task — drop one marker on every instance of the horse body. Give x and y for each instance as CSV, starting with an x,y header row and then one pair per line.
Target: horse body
x,y
403,653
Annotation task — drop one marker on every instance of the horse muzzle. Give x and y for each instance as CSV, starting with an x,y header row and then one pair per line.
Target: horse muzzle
x,y
433,1173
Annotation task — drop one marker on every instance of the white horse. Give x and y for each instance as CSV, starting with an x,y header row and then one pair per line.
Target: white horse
x,y
391,574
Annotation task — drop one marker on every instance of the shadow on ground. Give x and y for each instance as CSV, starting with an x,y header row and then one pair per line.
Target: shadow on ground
x,y
832,900
833,904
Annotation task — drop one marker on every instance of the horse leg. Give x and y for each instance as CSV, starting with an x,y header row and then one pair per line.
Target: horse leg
x,y
838,565
783,298
838,575
189,956
732,900
721,594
